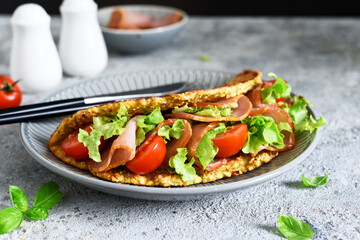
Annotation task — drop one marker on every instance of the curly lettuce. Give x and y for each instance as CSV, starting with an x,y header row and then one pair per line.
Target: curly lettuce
x,y
208,111
300,115
280,89
147,123
178,163
175,131
262,131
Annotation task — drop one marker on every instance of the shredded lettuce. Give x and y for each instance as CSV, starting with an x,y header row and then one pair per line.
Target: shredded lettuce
x,y
207,150
175,131
147,123
280,89
92,142
300,115
106,127
112,126
208,111
178,162
262,130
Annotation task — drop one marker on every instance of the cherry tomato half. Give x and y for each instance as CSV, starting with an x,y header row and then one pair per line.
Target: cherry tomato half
x,y
10,93
231,141
149,158
76,149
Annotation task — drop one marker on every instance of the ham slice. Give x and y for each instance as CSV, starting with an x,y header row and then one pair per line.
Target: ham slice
x,y
167,20
174,144
122,19
199,130
241,112
121,150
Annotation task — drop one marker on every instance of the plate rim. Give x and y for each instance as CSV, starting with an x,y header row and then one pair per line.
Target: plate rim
x,y
99,183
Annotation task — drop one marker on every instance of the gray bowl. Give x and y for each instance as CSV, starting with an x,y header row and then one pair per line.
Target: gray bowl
x,y
144,40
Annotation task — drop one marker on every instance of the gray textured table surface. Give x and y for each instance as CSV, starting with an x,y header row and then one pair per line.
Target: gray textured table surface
x,y
320,58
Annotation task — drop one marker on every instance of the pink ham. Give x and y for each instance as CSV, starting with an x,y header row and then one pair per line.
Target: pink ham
x,y
120,151
167,20
199,130
241,112
174,144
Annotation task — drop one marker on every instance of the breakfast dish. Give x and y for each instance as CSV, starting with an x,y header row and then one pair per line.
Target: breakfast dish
x,y
184,139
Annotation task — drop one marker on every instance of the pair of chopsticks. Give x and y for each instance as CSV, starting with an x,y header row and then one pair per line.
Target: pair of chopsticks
x,y
57,108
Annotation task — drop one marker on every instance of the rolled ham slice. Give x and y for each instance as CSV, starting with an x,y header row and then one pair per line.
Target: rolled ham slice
x,y
122,19
167,20
199,130
174,144
241,112
120,151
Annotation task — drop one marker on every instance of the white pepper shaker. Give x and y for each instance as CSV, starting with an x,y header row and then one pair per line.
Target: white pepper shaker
x,y
34,59
82,47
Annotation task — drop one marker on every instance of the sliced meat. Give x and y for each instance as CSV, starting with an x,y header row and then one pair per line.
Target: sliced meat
x,y
216,164
198,132
167,20
241,112
174,144
121,150
122,19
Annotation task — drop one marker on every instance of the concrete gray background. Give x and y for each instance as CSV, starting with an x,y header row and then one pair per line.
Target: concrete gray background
x,y
321,60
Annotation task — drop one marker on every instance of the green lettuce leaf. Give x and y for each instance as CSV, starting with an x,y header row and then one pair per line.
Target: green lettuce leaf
x,y
300,115
175,131
208,111
262,130
92,142
112,126
147,123
280,89
178,162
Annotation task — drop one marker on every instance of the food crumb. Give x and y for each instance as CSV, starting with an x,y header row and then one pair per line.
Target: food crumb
x,y
205,58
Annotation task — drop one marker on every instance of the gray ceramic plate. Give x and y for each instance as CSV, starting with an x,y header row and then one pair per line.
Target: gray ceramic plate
x,y
35,136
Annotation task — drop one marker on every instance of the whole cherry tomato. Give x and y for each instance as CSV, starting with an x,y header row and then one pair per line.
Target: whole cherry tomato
x,y
231,141
149,158
76,149
10,93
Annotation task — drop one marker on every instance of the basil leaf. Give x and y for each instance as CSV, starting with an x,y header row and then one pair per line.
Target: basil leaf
x,y
315,181
18,198
10,219
280,89
186,170
37,213
294,229
92,142
48,195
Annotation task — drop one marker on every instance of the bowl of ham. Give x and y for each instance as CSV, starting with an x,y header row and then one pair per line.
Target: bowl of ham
x,y
140,28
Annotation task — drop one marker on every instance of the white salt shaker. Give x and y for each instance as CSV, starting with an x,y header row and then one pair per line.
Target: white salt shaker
x,y
82,47
34,59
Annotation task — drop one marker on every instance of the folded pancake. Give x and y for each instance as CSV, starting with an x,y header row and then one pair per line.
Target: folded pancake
x,y
229,93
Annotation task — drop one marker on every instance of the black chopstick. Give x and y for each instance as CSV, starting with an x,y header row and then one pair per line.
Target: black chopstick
x,y
61,107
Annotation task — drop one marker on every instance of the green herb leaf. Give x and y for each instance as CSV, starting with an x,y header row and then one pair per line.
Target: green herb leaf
x,y
207,150
92,142
48,195
112,126
262,130
10,219
300,116
315,181
186,170
175,131
208,111
294,229
147,124
37,213
18,198
205,58
280,89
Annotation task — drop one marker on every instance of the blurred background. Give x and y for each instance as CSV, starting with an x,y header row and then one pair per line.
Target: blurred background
x,y
344,8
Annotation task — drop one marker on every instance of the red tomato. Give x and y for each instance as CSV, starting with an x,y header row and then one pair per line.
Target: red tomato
x,y
10,93
149,158
231,141
76,149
